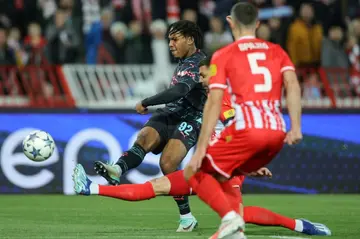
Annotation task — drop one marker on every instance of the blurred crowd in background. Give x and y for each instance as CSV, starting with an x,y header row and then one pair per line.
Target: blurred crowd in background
x,y
315,33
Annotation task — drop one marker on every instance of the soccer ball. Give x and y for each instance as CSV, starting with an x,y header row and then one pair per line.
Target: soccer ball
x,y
38,146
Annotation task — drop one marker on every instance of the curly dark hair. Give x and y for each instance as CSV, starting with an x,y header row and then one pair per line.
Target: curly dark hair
x,y
187,29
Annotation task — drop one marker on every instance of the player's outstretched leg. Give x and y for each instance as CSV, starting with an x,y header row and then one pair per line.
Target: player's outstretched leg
x,y
314,228
129,192
173,184
265,217
82,184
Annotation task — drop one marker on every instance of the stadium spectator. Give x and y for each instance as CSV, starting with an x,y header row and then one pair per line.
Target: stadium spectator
x,y
223,8
34,38
278,3
67,6
167,10
161,56
138,49
14,43
193,7
48,9
353,50
304,38
72,13
133,10
190,15
118,44
263,32
217,37
63,40
312,88
6,55
333,52
34,44
278,29
97,32
90,14
107,18
353,9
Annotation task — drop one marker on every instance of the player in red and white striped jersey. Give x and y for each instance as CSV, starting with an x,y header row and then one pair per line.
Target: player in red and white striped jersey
x,y
254,71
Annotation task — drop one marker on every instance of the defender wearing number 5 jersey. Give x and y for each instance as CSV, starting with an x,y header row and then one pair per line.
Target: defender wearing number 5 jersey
x,y
254,71
256,86
256,95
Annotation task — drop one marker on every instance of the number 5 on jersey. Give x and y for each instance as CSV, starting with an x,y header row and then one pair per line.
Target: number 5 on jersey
x,y
253,59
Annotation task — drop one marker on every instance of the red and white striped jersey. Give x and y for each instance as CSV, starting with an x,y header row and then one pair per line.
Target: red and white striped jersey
x,y
253,70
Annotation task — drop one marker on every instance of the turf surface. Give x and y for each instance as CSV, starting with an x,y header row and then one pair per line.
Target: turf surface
x,y
54,216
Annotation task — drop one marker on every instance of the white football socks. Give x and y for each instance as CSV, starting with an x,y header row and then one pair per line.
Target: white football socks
x,y
229,216
188,215
299,227
94,189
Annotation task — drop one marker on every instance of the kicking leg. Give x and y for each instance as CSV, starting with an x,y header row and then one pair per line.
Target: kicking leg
x,y
129,192
172,184
147,140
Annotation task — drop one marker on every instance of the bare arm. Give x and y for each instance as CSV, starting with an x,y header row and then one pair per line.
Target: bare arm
x,y
293,99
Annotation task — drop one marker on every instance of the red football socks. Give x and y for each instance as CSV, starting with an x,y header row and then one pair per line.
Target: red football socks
x,y
233,195
210,191
265,217
128,192
179,186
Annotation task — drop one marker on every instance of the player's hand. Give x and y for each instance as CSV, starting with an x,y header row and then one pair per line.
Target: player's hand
x,y
264,172
141,109
293,137
196,160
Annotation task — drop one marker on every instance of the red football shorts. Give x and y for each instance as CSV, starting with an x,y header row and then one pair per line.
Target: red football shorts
x,y
237,152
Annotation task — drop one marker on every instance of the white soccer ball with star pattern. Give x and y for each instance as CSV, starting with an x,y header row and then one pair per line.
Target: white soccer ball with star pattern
x,y
38,146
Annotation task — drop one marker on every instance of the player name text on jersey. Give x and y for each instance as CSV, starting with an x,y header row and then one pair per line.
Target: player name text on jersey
x,y
252,45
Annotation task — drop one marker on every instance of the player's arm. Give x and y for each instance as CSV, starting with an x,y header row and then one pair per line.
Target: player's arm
x,y
293,91
188,79
169,95
293,98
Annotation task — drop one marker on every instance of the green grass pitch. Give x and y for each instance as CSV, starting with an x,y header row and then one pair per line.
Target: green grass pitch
x,y
54,216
